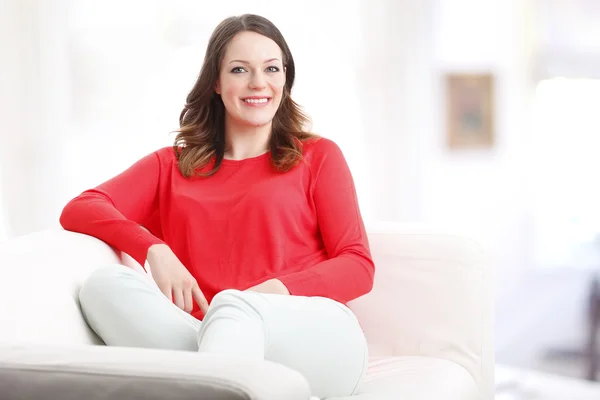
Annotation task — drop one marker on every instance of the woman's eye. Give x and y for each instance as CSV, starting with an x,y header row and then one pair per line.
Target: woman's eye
x,y
238,70
273,69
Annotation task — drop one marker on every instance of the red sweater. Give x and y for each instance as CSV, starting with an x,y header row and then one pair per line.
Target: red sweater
x,y
244,225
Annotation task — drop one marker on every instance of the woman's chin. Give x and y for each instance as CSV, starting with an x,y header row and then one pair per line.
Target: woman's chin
x,y
256,123
250,121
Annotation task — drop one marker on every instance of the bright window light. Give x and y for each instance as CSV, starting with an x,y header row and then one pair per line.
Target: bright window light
x,y
565,161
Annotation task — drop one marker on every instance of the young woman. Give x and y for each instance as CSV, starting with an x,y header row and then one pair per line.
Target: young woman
x,y
249,225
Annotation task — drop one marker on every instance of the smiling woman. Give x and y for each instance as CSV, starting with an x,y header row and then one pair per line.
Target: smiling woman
x,y
249,223
251,88
247,78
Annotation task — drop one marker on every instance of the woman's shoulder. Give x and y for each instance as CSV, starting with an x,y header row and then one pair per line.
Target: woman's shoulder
x,y
166,154
318,148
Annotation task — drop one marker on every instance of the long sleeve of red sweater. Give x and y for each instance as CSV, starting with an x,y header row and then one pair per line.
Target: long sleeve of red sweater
x,y
114,211
243,225
349,271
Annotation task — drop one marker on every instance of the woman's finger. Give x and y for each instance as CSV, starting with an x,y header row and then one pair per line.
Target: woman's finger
x,y
200,299
188,300
166,290
178,298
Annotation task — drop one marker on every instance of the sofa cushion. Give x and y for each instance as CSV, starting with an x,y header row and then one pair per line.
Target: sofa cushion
x,y
101,373
416,378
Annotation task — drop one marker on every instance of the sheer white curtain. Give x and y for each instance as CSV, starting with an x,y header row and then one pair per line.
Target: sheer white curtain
x,y
21,136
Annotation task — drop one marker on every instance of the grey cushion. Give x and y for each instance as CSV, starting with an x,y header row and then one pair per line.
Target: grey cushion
x,y
99,373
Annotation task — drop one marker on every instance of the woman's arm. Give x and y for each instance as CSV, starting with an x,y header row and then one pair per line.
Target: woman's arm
x,y
114,210
273,286
349,271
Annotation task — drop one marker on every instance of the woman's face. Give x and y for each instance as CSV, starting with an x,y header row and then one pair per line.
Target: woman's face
x,y
251,79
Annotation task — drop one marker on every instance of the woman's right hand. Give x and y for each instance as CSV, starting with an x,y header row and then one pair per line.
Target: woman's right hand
x,y
174,280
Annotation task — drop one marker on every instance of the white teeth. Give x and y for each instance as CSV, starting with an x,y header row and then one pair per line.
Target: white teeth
x,y
256,101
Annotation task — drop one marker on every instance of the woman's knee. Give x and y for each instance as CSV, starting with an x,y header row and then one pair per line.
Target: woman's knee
x,y
239,302
103,281
228,296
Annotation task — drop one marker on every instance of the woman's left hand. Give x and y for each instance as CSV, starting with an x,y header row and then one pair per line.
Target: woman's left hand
x,y
273,286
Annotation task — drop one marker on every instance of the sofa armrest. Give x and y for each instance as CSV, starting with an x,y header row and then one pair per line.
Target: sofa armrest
x,y
31,372
59,247
42,273
432,297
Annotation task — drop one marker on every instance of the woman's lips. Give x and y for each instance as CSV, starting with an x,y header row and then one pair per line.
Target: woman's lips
x,y
256,101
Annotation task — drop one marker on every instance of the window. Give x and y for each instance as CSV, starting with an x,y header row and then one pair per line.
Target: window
x,y
565,165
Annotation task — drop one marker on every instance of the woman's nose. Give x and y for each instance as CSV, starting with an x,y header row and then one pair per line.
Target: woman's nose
x,y
257,81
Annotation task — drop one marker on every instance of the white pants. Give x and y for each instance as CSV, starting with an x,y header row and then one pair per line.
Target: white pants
x,y
316,336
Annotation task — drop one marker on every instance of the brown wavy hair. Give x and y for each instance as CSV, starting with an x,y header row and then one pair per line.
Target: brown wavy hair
x,y
201,137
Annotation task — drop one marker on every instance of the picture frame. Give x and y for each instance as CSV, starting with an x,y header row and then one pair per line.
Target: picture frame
x,y
469,110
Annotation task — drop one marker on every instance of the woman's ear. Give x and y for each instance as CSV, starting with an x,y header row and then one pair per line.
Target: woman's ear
x,y
218,87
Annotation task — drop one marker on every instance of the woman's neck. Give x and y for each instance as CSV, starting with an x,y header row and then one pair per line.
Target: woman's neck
x,y
246,141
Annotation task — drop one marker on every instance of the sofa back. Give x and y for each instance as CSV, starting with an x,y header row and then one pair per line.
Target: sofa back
x,y
431,297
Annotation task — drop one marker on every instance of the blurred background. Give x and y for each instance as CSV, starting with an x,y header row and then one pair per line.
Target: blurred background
x,y
481,116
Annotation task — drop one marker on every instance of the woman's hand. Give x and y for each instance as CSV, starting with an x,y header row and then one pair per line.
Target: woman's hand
x,y
174,280
273,286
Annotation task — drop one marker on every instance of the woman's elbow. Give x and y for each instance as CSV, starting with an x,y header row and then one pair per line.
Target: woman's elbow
x,y
369,276
364,278
65,216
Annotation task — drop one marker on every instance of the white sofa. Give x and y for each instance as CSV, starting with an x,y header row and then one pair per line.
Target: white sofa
x,y
428,322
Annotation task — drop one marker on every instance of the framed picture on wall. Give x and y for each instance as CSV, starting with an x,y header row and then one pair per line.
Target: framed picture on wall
x,y
469,110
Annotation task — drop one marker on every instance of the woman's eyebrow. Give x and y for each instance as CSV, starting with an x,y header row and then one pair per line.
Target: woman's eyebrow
x,y
248,62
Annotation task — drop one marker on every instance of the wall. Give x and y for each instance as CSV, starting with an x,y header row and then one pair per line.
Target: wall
x,y
487,192
18,111
484,192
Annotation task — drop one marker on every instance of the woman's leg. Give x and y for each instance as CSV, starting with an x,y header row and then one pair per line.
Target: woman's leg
x,y
318,337
126,308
